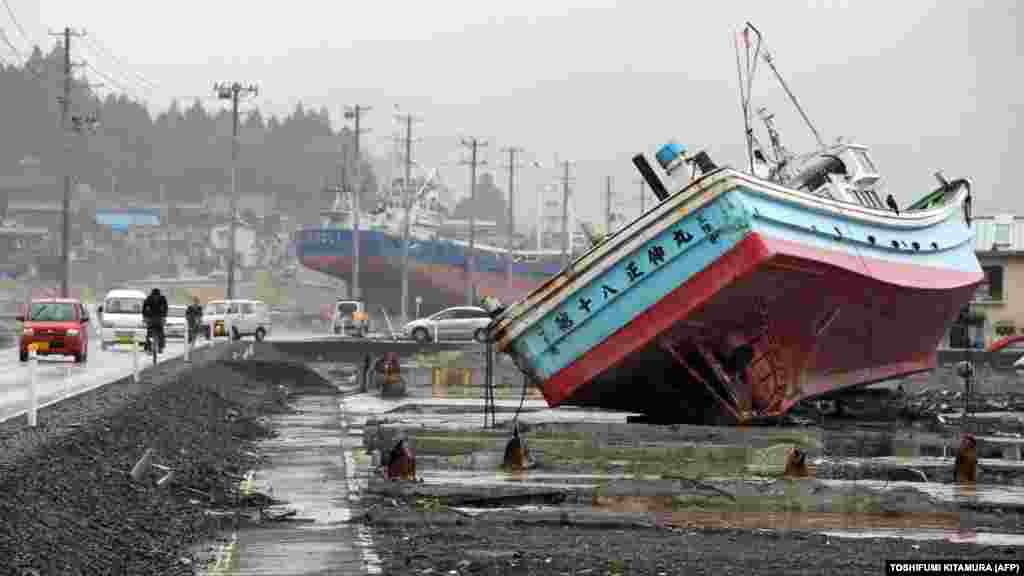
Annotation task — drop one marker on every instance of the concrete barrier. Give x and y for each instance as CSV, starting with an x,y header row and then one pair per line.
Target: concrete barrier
x,y
1001,360
353,351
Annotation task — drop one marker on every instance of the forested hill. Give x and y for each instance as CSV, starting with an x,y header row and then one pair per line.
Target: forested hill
x,y
186,148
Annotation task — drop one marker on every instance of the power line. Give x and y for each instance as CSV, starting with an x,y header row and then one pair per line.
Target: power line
x,y
148,85
17,24
14,49
24,36
108,78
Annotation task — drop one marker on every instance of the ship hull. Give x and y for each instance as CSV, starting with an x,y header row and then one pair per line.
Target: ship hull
x,y
771,299
437,269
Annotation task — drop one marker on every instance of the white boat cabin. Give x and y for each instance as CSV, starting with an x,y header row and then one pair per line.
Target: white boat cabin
x,y
843,172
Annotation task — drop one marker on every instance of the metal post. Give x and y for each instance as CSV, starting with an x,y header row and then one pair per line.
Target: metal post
x,y
510,223
234,196
135,361
540,215
407,207
355,113
471,255
607,208
33,386
474,145
488,383
65,281
566,245
233,92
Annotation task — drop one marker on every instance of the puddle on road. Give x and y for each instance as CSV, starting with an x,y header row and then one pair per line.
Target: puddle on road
x,y
965,494
664,508
311,470
955,537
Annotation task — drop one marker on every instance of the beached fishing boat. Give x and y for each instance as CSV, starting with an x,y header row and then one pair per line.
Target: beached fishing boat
x,y
744,292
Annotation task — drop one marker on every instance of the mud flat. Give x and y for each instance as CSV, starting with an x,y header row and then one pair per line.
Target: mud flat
x,y
68,504
609,497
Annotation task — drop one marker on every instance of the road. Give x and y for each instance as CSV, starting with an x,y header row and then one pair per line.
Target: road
x,y
59,377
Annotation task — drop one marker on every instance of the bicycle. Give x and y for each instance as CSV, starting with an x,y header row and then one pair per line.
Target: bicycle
x,y
153,334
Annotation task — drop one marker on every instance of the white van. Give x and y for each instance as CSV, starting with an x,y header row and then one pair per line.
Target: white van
x,y
240,317
120,317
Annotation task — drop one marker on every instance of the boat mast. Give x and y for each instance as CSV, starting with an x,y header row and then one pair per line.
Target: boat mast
x,y
744,107
768,60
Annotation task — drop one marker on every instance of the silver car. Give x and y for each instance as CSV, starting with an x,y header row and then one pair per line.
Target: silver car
x,y
459,323
176,326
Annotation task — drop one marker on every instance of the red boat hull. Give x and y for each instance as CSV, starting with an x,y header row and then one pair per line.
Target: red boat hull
x,y
807,321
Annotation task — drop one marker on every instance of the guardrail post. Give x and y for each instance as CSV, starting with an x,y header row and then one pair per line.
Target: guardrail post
x,y
135,360
33,386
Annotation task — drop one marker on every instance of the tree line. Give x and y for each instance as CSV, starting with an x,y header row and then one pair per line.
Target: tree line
x,y
184,151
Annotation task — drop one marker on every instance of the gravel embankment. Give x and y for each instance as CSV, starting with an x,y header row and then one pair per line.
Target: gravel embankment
x,y
67,502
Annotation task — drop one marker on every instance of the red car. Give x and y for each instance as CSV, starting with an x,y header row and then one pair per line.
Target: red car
x,y
56,326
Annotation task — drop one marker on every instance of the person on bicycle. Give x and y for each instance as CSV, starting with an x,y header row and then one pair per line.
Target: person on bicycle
x,y
154,312
194,316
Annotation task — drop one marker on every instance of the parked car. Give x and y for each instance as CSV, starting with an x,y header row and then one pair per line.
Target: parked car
x,y
458,323
350,318
240,317
176,326
56,326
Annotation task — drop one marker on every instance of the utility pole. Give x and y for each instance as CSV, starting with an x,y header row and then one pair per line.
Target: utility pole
x,y
233,92
474,145
607,205
511,218
356,112
643,194
65,107
406,208
565,214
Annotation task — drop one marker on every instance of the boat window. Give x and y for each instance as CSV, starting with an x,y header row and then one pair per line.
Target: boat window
x,y
991,289
1003,234
862,157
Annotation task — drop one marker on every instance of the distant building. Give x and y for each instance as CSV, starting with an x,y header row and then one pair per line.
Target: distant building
x,y
245,241
999,244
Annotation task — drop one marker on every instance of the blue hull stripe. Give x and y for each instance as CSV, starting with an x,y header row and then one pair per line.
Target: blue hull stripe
x,y
633,285
795,224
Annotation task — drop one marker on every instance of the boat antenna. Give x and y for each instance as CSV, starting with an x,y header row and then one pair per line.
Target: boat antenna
x,y
768,60
744,105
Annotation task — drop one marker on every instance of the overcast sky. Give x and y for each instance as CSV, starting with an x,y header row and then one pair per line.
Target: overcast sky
x,y
928,85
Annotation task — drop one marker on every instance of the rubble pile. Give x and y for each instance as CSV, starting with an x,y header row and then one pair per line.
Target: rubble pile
x,y
70,504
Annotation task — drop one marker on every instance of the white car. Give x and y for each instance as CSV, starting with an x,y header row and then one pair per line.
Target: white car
x,y
120,318
458,323
238,318
176,327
